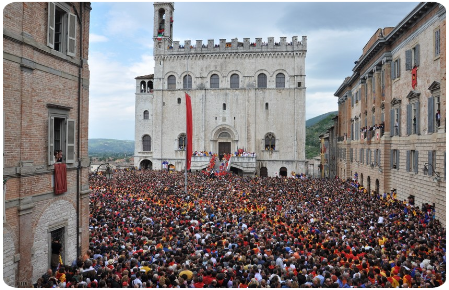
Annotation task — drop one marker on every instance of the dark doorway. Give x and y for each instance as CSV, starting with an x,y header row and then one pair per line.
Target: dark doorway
x,y
224,147
368,185
263,172
237,171
283,171
146,164
377,186
361,179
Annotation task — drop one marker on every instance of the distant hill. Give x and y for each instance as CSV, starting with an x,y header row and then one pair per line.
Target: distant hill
x,y
317,119
110,146
315,130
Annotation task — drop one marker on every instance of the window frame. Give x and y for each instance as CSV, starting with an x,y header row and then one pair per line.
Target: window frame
x,y
66,32
146,143
67,133
214,81
234,81
182,142
187,81
270,142
146,115
262,81
436,42
280,80
171,82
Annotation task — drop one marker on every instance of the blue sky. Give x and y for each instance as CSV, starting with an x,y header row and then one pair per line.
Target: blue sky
x,y
121,46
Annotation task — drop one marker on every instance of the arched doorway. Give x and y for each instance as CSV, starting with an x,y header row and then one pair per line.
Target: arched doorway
x,y
377,186
283,171
146,164
368,185
263,172
361,179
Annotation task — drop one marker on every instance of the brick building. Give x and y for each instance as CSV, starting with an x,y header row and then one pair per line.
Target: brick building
x,y
245,95
387,128
45,108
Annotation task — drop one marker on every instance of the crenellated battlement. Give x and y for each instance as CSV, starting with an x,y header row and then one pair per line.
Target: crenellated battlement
x,y
233,46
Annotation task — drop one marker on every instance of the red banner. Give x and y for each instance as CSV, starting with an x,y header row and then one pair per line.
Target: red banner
x,y
189,131
414,79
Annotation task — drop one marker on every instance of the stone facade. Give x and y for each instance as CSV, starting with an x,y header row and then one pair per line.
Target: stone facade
x,y
45,107
382,91
241,93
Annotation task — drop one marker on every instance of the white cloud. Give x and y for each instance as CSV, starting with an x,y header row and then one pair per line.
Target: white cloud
x,y
97,38
320,103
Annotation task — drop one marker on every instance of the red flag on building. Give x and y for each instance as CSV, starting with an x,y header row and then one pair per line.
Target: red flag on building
x,y
189,131
414,78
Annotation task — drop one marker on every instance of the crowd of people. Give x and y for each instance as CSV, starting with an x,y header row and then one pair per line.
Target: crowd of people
x,y
243,232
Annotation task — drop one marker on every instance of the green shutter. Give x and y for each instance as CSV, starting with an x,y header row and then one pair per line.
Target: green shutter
x,y
417,55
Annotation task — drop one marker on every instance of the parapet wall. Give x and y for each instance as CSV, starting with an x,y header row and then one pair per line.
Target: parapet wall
x,y
235,46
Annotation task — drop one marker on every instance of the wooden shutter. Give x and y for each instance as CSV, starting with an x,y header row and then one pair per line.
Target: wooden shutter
x,y
392,75
430,115
429,161
409,119
408,59
407,161
367,156
51,26
417,118
391,122
2,139
378,157
399,68
71,39
51,138
70,141
391,157
397,159
446,166
416,162
399,122
375,157
417,55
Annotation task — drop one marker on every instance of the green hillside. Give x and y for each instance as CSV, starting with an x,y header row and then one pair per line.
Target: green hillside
x,y
110,147
317,119
314,131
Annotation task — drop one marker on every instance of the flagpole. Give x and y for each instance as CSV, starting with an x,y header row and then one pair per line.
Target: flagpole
x,y
187,140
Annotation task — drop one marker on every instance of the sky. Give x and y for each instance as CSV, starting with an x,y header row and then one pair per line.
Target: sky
x,y
121,46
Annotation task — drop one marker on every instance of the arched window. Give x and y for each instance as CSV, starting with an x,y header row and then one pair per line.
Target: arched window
x,y
143,87
235,80
262,80
146,143
182,141
150,86
270,141
171,82
146,115
214,81
179,100
187,82
280,80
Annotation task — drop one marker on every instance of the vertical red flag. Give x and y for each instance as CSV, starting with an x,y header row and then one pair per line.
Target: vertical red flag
x,y
414,79
189,131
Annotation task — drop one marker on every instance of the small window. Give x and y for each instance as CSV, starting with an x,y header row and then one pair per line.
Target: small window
x,y
179,100
270,142
224,106
299,84
61,136
266,106
182,142
143,86
146,143
214,81
262,80
187,82
146,115
150,87
280,80
171,82
61,30
396,69
235,80
437,42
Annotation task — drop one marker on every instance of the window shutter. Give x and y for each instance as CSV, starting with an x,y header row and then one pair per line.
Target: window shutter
x,y
416,162
429,161
51,26
392,70
375,157
392,122
407,161
397,159
70,141
51,146
2,138
367,156
374,120
378,157
408,59
409,119
71,39
430,115
391,158
417,55
399,121
399,68
417,118
446,166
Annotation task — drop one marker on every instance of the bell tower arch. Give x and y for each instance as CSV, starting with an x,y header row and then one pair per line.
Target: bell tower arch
x,y
163,25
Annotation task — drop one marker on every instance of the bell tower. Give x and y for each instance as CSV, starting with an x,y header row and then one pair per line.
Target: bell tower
x,y
163,26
